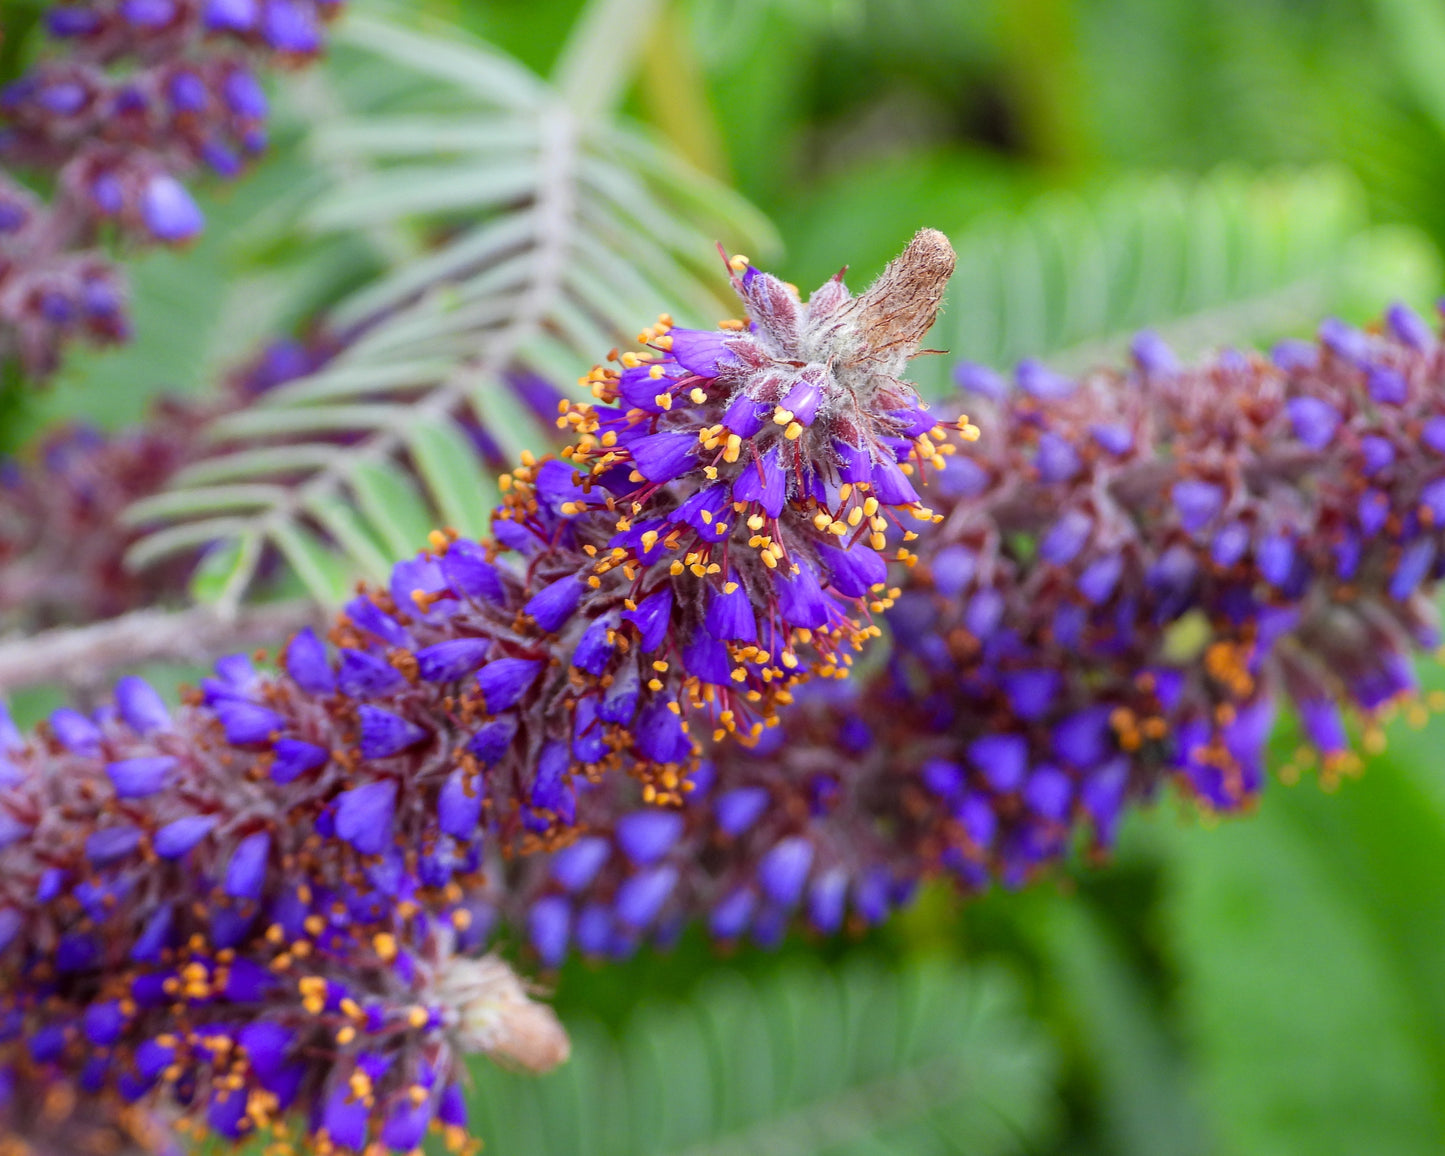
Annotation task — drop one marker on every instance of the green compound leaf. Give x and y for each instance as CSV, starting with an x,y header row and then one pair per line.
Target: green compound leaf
x,y
936,1059
1233,258
562,233
1306,1028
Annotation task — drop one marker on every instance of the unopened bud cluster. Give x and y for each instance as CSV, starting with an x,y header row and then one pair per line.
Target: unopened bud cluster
x,y
131,96
1132,571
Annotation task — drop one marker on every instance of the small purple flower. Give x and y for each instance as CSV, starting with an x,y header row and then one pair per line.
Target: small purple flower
x,y
1315,421
140,777
1197,502
168,210
384,734
364,816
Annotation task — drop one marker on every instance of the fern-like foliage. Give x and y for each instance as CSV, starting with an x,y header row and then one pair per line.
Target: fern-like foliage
x,y
1230,258
565,231
937,1059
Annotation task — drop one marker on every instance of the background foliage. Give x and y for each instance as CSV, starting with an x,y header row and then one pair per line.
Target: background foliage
x,y
1224,172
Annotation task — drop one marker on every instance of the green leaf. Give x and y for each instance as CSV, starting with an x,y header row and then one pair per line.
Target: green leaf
x,y
545,276
392,503
936,1058
224,568
1304,1034
325,576
1138,1072
1231,258
447,462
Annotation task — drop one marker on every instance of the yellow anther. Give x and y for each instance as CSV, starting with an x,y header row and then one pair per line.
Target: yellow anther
x,y
734,448
698,395
794,431
782,416
738,262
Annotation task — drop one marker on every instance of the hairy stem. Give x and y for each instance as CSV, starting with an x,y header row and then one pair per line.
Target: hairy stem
x,y
84,656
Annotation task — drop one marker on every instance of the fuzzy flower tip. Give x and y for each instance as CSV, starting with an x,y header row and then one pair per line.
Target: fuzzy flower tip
x,y
1132,572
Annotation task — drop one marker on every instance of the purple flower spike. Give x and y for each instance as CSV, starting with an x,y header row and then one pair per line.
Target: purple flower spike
x,y
764,483
1345,342
652,617
295,758
452,660
364,816
730,615
1066,538
111,843
230,15
1409,327
1057,460
575,866
470,575
730,917
290,26
246,723
739,809
367,675
662,457
1041,382
1387,386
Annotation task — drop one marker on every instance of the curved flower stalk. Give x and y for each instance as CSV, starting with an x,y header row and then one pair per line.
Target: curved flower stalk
x,y
258,902
1130,572
141,93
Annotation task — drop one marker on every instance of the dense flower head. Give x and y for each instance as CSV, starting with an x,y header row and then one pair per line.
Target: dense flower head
x,y
134,95
1132,570
723,538
169,925
264,899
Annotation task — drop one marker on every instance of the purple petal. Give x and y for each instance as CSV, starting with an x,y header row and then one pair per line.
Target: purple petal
x,y
364,816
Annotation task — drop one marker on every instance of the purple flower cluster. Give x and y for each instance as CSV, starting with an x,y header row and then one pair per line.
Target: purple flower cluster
x,y
141,93
265,901
1131,571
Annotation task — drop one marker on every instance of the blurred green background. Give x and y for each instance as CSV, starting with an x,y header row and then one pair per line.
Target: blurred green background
x,y
1226,171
